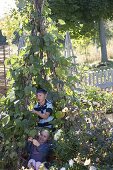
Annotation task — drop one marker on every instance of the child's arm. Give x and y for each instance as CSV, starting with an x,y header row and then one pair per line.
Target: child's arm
x,y
35,142
44,116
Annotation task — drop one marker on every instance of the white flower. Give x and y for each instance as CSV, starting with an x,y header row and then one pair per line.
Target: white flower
x,y
71,162
88,120
16,101
63,168
64,110
88,132
97,159
92,168
96,104
77,132
67,117
87,161
58,134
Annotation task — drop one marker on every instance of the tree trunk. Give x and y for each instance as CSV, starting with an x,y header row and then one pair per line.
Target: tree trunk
x,y
39,4
102,41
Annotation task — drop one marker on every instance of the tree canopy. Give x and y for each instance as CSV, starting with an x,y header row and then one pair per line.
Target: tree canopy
x,y
85,12
84,18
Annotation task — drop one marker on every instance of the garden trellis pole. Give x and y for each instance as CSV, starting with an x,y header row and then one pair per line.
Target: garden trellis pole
x,y
69,51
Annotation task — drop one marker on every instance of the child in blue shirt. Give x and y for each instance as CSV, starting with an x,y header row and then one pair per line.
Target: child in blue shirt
x,y
38,149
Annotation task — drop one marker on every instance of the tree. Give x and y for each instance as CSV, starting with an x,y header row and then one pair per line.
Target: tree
x,y
8,25
83,18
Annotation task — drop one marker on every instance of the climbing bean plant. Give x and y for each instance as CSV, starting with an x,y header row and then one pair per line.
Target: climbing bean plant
x,y
39,63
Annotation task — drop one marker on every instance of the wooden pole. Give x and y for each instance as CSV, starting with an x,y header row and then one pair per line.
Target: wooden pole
x,y
4,57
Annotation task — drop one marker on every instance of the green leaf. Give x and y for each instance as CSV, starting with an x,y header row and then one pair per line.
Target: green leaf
x,y
18,122
33,133
11,95
60,72
25,122
5,120
13,154
28,90
59,114
26,131
7,142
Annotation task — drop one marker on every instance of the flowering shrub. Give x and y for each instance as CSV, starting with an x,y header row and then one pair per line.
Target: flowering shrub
x,y
85,140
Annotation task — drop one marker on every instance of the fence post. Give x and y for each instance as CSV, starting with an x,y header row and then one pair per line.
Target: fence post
x,y
4,66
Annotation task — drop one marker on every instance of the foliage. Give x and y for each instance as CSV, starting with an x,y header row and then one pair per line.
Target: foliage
x,y
9,24
83,16
85,19
39,64
86,135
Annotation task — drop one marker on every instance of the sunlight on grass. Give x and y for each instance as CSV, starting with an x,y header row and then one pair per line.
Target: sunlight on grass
x,y
92,54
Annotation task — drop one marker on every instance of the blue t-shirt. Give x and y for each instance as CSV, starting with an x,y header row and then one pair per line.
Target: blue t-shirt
x,y
39,153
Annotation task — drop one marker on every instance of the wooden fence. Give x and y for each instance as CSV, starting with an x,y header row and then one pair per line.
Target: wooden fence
x,y
102,79
4,53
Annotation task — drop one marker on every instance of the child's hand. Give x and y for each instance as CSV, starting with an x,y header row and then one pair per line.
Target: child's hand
x,y
30,139
34,111
35,142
